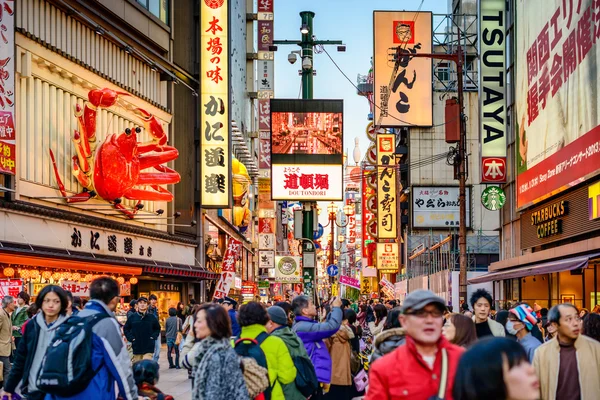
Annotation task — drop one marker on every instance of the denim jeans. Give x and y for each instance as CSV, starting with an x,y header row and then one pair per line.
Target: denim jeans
x,y
156,354
170,346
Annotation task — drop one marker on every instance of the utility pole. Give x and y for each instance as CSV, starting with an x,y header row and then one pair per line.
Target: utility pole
x,y
462,168
307,44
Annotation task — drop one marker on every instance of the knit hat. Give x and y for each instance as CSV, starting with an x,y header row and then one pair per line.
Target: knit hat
x,y
277,315
525,314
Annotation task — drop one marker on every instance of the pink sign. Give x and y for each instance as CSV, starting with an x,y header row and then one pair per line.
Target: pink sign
x,y
346,280
228,268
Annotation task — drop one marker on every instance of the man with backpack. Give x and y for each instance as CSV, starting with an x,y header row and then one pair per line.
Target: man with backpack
x,y
142,329
313,333
99,360
306,382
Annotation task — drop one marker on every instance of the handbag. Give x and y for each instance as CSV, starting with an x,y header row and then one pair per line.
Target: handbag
x,y
443,378
179,335
361,380
355,363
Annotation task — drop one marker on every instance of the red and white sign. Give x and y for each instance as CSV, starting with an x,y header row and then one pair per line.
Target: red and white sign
x,y
264,153
348,281
388,288
77,288
228,268
306,182
264,117
10,287
493,169
265,6
7,89
265,35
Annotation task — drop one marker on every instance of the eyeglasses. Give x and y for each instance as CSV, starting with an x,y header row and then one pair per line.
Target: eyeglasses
x,y
423,313
570,319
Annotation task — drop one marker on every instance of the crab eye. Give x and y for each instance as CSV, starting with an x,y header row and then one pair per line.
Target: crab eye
x,y
127,131
138,130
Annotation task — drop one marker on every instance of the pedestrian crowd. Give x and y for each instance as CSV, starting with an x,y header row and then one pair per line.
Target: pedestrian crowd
x,y
62,348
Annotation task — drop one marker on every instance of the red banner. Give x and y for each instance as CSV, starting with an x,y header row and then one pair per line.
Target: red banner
x,y
228,268
7,143
567,167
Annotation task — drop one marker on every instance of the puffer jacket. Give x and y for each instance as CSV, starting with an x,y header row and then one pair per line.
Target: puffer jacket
x,y
386,342
312,335
279,363
296,349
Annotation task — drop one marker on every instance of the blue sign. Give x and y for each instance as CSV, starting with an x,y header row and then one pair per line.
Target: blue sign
x,y
318,233
332,270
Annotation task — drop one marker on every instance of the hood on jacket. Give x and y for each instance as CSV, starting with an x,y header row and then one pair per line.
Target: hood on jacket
x,y
391,335
289,337
41,321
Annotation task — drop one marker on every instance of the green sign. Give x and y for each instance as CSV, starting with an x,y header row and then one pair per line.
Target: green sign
x,y
264,284
493,198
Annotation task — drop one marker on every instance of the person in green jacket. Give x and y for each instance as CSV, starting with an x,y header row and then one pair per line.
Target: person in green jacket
x,y
19,316
253,317
278,327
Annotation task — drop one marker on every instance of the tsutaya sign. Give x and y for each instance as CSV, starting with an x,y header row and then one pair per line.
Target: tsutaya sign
x,y
493,90
215,152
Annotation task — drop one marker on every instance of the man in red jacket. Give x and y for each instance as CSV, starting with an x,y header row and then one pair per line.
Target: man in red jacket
x,y
414,370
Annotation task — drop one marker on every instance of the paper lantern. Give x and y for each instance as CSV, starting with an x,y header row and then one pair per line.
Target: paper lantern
x,y
133,280
56,276
76,276
88,278
46,274
24,273
9,271
67,275
121,280
34,274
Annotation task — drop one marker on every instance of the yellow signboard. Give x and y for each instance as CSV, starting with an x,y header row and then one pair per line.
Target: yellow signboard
x,y
215,152
387,257
386,187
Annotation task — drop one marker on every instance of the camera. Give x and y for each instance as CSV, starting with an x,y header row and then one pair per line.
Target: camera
x,y
292,57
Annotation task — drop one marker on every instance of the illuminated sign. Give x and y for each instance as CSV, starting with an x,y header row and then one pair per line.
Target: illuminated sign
x,y
387,256
547,219
386,187
215,151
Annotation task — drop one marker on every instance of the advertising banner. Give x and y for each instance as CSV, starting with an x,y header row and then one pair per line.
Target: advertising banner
x,y
492,90
266,76
8,154
387,288
77,288
10,287
264,120
348,281
438,206
265,35
266,259
215,146
287,269
366,217
265,7
556,95
306,149
228,268
386,187
406,99
387,257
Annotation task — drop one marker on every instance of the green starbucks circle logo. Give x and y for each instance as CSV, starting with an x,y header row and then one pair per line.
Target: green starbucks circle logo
x,y
493,198
287,265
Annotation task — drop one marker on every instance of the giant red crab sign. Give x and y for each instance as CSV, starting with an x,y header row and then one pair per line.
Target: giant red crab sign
x,y
115,168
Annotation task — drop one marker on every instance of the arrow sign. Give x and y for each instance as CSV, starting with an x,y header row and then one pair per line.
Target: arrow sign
x,y
332,270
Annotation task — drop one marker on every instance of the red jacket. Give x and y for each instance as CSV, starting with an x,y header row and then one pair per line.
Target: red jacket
x,y
403,374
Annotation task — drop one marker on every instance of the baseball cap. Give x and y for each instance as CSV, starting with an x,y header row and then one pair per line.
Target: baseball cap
x,y
142,299
419,299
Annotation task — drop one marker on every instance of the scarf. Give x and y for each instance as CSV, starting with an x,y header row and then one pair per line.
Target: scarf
x,y
206,349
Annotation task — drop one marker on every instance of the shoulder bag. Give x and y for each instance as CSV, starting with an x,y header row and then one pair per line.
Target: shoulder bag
x,y
443,378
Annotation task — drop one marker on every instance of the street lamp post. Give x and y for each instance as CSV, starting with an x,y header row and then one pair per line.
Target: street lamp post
x,y
332,210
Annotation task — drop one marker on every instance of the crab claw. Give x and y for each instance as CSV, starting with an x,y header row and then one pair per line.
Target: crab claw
x,y
152,125
104,97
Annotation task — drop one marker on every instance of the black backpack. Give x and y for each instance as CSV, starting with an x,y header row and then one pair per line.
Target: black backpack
x,y
67,365
306,377
247,347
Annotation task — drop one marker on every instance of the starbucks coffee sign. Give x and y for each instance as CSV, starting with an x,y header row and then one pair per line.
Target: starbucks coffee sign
x,y
493,198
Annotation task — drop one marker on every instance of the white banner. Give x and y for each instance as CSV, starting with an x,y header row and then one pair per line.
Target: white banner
x,y
307,182
10,287
438,206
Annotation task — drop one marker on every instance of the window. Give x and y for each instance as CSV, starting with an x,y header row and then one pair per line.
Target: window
x,y
158,8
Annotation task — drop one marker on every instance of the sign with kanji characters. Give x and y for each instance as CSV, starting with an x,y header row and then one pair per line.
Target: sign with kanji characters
x,y
265,6
492,90
366,215
387,257
438,207
264,118
77,288
266,241
266,225
266,259
10,287
306,182
266,77
386,187
264,151
556,96
215,151
8,158
265,35
306,149
387,288
407,100
349,281
228,268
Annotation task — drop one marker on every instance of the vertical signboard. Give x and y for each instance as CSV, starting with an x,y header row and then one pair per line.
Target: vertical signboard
x,y
264,115
228,268
492,90
265,35
7,99
366,216
386,187
556,96
266,78
215,152
406,99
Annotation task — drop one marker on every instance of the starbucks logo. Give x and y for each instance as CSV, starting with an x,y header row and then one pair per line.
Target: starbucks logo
x,y
493,198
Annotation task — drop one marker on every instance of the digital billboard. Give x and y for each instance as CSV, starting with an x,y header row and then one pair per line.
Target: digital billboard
x,y
306,149
556,94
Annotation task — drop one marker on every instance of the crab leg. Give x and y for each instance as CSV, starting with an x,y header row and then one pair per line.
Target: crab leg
x,y
152,125
160,194
78,198
129,213
154,159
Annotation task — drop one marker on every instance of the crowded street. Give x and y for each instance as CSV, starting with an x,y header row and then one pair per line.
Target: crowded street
x,y
299,200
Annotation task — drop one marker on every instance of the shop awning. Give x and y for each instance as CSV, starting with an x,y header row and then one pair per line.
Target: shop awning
x,y
181,271
566,264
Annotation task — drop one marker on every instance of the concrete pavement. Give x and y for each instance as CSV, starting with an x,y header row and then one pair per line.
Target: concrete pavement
x,y
173,381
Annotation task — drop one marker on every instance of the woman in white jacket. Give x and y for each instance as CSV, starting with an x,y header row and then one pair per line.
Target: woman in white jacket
x,y
380,316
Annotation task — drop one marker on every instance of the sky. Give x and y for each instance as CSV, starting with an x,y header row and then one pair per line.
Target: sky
x,y
352,22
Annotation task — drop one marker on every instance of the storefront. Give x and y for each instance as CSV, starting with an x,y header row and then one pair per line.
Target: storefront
x,y
560,243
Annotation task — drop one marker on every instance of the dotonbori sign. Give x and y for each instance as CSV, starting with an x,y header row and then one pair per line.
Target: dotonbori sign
x,y
492,88
215,151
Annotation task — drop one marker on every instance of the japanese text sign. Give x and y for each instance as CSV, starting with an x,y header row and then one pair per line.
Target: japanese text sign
x,y
348,281
10,287
409,98
387,256
77,288
264,118
438,207
366,215
305,182
386,187
228,268
387,288
215,153
7,94
492,86
265,35
556,96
